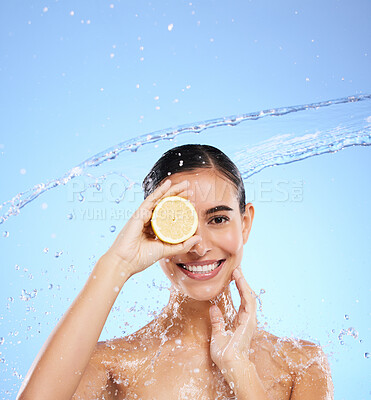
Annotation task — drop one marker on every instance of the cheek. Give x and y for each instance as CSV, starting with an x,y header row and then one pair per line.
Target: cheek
x,y
231,241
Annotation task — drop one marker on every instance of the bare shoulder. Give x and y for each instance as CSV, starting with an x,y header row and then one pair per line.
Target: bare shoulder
x,y
124,357
305,362
96,379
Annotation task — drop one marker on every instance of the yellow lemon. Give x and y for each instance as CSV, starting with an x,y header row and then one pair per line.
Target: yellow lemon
x,y
174,219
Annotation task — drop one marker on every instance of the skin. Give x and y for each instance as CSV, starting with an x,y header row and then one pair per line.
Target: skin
x,y
200,314
220,239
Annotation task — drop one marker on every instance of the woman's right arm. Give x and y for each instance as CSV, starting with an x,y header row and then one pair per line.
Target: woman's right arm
x,y
60,364
65,362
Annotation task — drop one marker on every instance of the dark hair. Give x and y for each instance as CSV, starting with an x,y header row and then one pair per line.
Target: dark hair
x,y
190,157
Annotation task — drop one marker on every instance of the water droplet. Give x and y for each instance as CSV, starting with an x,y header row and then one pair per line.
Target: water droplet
x,y
231,385
2,340
69,216
352,332
46,250
11,299
26,296
367,355
116,289
16,267
112,228
346,316
58,254
180,163
5,234
50,286
81,197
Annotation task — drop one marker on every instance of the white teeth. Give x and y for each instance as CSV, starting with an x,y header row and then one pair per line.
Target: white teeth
x,y
201,268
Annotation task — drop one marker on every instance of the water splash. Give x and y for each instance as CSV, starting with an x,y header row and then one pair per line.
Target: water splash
x,y
347,332
281,149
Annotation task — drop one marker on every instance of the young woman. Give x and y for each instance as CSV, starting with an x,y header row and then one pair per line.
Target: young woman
x,y
199,347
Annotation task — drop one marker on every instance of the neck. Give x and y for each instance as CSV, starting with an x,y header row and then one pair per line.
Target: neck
x,y
188,319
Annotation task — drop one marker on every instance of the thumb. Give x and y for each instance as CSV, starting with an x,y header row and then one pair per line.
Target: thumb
x,y
217,320
184,247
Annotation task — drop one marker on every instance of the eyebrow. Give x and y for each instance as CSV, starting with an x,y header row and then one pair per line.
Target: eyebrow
x,y
218,208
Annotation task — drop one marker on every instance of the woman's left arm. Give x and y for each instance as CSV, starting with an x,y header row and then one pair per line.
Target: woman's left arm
x,y
230,352
244,381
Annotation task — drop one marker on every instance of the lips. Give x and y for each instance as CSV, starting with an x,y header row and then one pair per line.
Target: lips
x,y
204,266
201,270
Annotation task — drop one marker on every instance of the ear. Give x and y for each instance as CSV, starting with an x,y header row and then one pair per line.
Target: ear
x,y
247,219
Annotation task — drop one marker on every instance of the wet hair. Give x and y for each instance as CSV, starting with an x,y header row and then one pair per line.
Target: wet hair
x,y
190,157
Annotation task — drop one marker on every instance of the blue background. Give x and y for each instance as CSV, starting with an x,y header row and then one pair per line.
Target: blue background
x,y
79,77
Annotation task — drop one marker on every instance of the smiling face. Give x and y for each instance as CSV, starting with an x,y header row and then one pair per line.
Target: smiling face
x,y
223,230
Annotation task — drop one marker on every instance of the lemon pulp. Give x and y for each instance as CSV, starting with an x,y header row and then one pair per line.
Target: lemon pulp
x,y
174,219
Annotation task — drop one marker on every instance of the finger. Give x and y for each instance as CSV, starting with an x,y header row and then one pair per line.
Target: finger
x,y
217,320
247,309
238,277
184,247
179,189
166,190
149,202
146,208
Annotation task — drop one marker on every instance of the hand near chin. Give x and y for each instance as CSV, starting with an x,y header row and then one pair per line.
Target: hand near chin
x,y
230,349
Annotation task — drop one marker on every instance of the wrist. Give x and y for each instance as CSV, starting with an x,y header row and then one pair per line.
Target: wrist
x,y
243,378
113,263
236,371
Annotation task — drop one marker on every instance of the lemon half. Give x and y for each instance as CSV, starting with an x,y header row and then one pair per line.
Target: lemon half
x,y
174,219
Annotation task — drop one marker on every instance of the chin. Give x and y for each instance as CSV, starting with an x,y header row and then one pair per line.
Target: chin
x,y
202,293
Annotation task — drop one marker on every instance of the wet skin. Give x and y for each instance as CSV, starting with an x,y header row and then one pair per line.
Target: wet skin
x,y
223,235
171,356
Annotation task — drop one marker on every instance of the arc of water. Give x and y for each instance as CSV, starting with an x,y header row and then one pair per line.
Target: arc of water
x,y
295,150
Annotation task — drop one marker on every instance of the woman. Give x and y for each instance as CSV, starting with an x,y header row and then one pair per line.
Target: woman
x,y
199,347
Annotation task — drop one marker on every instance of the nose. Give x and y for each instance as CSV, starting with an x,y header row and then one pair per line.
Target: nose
x,y
202,247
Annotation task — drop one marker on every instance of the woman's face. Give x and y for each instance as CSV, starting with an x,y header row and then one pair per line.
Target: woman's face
x,y
223,231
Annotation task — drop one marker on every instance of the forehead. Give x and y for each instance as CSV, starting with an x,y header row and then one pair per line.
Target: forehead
x,y
208,186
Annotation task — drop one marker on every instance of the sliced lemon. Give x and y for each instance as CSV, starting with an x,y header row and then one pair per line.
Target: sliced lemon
x,y
174,219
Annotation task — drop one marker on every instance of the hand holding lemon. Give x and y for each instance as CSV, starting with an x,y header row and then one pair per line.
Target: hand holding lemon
x,y
174,221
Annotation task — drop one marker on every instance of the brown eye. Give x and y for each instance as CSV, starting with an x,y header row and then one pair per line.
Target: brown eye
x,y
220,220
